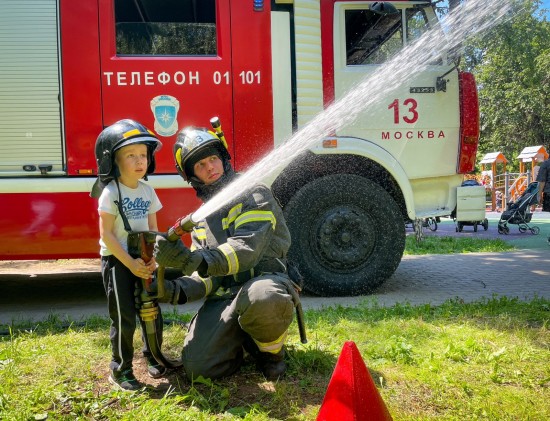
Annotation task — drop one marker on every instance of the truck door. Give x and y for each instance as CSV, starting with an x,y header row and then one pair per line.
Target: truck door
x,y
417,122
167,64
30,89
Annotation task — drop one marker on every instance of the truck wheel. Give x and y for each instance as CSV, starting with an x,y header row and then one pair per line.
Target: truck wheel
x,y
347,235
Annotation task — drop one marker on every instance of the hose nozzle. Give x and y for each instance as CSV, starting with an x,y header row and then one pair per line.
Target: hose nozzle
x,y
182,225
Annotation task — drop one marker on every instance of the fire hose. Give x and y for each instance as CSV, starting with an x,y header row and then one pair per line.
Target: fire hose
x,y
149,308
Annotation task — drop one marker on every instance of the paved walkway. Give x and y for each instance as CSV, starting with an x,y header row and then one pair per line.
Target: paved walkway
x,y
447,227
418,280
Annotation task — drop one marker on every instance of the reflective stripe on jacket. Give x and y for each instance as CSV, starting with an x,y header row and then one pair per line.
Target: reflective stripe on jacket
x,y
248,233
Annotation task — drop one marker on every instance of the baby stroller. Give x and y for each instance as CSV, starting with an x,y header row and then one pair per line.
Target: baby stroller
x,y
519,212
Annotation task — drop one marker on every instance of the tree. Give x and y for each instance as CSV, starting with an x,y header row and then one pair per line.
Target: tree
x,y
512,69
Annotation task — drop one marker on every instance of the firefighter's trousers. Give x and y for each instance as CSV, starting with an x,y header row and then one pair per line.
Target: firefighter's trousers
x,y
261,309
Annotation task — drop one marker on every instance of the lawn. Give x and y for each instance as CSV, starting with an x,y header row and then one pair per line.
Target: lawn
x,y
486,360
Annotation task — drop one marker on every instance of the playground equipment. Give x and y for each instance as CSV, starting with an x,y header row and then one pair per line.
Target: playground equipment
x,y
517,188
497,160
511,185
534,155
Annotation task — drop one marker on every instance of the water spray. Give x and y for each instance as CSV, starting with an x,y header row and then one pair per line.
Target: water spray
x,y
473,18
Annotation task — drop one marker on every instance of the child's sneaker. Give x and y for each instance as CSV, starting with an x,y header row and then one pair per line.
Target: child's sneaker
x,y
124,380
154,368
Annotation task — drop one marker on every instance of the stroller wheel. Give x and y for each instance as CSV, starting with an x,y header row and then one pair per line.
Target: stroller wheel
x,y
431,224
506,230
500,230
475,226
522,229
485,224
535,230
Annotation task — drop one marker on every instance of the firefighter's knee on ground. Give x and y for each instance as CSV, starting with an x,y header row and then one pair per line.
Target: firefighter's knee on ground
x,y
209,368
265,309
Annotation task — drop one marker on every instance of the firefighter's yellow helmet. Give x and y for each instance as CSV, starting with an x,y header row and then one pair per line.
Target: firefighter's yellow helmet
x,y
195,143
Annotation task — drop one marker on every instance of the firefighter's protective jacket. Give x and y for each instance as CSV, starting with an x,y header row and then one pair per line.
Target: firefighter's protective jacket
x,y
242,240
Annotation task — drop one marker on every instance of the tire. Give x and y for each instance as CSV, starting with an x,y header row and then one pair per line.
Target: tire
x,y
475,226
347,235
460,226
522,229
485,224
506,230
535,230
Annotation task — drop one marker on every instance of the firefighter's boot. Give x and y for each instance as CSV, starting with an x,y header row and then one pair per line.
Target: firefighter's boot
x,y
271,365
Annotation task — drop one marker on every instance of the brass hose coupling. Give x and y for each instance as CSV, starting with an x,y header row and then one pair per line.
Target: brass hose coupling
x,y
149,311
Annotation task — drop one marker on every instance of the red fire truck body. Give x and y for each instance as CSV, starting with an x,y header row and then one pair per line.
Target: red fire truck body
x,y
71,68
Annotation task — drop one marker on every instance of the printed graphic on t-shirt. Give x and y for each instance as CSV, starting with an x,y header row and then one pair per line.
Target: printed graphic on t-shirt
x,y
136,209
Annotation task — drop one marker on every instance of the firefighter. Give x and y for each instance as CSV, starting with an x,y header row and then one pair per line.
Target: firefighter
x,y
238,263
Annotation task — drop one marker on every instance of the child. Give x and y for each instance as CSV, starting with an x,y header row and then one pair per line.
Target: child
x,y
498,195
125,154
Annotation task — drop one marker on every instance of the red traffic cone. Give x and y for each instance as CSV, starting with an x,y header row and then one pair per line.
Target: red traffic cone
x,y
351,394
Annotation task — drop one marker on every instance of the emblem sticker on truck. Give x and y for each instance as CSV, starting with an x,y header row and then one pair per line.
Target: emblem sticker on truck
x,y
165,109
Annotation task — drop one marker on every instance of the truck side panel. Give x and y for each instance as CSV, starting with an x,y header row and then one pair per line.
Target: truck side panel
x,y
29,89
252,82
80,67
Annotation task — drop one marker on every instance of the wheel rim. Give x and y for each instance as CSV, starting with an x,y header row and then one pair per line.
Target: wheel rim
x,y
345,238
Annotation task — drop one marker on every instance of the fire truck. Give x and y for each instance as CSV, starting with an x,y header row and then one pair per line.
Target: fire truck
x,y
266,69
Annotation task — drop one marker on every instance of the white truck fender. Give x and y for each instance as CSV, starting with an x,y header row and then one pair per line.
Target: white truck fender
x,y
372,151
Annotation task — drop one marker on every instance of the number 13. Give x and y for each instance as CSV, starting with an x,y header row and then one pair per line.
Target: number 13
x,y
412,113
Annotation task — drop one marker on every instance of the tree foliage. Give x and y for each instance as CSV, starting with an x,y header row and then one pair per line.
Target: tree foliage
x,y
512,68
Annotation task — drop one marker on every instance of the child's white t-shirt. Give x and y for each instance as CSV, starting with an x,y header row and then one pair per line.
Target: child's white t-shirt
x,y
137,204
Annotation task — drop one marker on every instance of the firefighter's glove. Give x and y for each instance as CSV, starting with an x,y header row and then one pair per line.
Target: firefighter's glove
x,y
137,294
148,293
151,286
195,262
171,254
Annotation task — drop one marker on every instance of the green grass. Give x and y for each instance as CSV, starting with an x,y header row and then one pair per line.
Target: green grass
x,y
449,245
486,360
